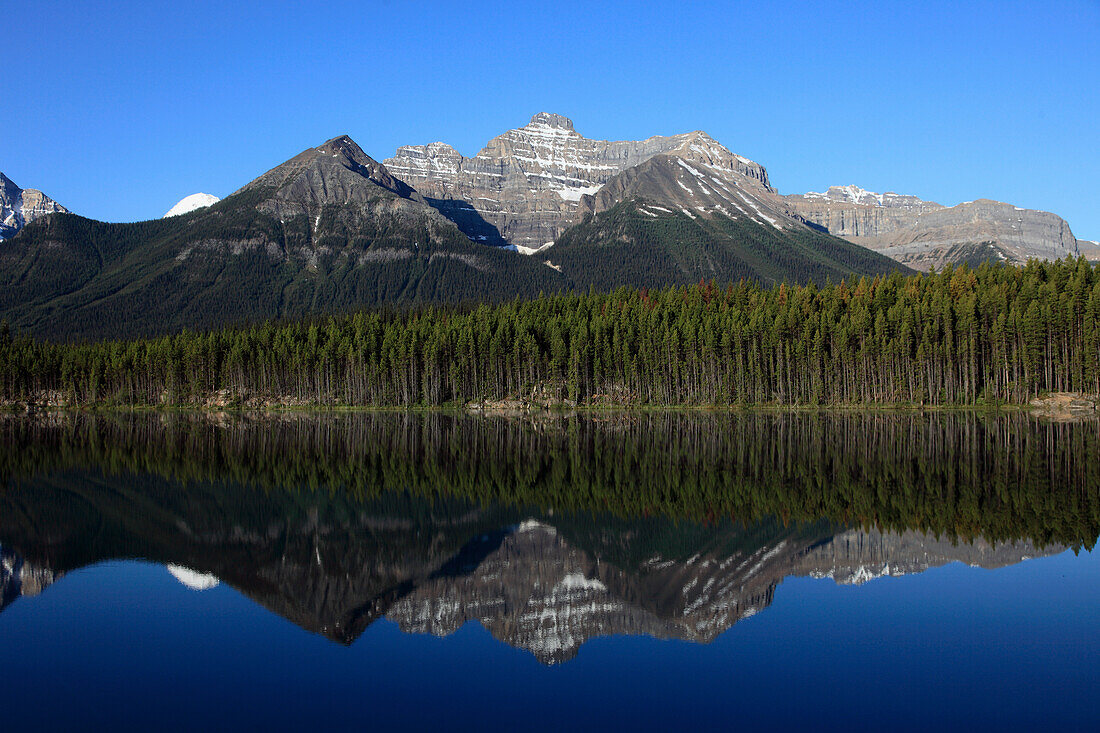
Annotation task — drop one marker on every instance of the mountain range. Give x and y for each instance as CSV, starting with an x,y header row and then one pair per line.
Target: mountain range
x,y
925,235
334,229
539,583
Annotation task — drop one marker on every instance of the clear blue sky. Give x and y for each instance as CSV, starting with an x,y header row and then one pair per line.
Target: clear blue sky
x,y
117,110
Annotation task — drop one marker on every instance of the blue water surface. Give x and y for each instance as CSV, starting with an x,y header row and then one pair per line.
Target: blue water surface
x,y
123,645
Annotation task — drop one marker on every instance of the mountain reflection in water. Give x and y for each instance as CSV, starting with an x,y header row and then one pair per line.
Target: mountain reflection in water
x,y
547,531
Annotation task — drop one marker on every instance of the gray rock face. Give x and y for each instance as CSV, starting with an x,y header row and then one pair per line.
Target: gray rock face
x,y
856,556
21,206
1089,249
1008,232
926,235
850,211
337,172
524,187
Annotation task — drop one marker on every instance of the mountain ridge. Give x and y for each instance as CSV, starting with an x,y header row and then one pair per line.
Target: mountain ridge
x,y
546,166
332,229
927,235
329,229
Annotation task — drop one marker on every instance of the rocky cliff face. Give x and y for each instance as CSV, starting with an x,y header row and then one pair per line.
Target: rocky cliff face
x,y
925,235
856,556
977,230
850,211
524,187
1089,249
21,206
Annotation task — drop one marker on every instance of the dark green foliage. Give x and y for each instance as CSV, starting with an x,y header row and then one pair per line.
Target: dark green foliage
x,y
996,334
623,246
1001,477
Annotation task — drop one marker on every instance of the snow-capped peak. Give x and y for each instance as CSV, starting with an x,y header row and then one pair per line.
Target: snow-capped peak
x,y
190,203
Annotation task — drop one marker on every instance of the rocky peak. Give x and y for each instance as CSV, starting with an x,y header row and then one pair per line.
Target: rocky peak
x,y
701,147
524,187
343,145
351,156
21,206
693,181
549,119
335,172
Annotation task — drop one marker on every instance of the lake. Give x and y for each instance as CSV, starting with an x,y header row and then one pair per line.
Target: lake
x,y
653,570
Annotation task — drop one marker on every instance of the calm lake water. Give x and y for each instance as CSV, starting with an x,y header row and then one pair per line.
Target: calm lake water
x,y
643,570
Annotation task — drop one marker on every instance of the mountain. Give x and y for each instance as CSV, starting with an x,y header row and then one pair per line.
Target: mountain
x,y
190,203
691,215
333,229
21,206
576,204
330,229
523,188
926,235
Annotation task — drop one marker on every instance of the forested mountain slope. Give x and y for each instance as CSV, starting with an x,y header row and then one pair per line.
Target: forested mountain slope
x,y
676,219
328,230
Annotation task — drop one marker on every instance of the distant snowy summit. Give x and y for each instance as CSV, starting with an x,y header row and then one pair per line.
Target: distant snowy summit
x,y
191,203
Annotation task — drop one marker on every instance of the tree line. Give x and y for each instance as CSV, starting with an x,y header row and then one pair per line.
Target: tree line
x,y
995,334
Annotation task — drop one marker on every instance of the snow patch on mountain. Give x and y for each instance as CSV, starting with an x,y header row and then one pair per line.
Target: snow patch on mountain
x,y
528,250
850,193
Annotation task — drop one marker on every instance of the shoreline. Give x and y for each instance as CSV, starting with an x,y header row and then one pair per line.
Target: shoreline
x,y
1057,406
31,408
